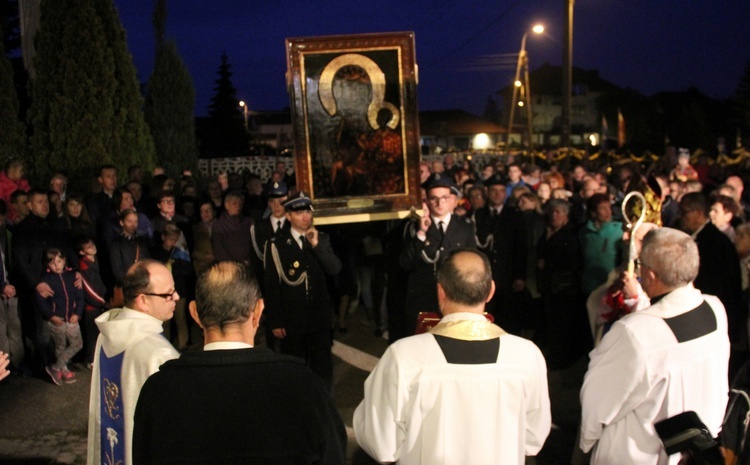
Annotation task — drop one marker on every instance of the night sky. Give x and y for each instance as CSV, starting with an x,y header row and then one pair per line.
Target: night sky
x,y
465,50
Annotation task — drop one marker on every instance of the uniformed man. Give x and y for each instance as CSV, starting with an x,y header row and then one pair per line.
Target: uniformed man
x,y
263,230
299,307
506,248
260,233
431,240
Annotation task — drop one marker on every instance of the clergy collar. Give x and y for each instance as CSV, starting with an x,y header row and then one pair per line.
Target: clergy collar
x,y
226,345
467,327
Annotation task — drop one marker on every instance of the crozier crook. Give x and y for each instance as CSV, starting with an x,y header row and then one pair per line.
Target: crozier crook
x,y
633,226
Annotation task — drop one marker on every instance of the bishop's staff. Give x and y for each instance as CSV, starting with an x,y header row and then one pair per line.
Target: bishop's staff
x,y
633,226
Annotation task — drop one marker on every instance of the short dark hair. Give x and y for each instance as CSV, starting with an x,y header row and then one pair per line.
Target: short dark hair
x,y
163,195
465,286
226,293
593,202
81,242
106,167
36,191
694,201
727,203
16,194
137,280
125,213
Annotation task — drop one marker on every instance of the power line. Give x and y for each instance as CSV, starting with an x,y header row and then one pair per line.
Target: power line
x,y
472,38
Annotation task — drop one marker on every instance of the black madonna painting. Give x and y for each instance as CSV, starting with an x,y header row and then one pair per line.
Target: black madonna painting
x,y
355,121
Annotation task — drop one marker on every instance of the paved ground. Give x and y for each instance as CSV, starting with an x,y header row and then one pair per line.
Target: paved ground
x,y
41,423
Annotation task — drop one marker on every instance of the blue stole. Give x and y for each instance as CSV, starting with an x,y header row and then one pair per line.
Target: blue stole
x,y
111,409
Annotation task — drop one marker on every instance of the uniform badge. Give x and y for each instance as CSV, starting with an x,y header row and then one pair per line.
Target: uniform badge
x,y
288,242
295,264
291,272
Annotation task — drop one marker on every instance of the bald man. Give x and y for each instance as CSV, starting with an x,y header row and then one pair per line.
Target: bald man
x,y
426,401
230,402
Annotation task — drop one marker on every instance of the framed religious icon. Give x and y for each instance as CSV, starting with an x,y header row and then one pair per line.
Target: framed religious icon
x,y
356,125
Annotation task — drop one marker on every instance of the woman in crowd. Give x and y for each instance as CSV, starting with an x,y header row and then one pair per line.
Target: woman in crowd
x,y
544,191
76,217
123,200
566,335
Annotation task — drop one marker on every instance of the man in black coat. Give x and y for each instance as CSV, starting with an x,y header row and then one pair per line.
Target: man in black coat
x,y
300,311
232,403
719,273
33,236
506,248
429,242
261,231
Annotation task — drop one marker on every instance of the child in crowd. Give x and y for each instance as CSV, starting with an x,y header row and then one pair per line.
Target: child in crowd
x,y
94,291
173,252
62,312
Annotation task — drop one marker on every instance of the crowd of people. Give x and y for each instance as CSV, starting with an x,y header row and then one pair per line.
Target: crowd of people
x,y
558,251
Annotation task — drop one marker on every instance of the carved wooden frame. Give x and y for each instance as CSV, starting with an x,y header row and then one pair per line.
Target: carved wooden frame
x,y
356,124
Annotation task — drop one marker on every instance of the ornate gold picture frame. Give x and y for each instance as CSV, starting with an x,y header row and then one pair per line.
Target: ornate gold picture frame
x,y
356,125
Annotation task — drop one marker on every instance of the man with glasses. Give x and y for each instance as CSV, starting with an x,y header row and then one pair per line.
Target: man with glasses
x,y
432,239
655,363
130,348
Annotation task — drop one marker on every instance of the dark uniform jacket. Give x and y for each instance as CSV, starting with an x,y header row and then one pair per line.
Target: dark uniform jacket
x,y
296,295
260,233
422,259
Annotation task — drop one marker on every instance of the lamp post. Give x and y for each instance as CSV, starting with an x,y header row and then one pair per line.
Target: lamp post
x,y
567,73
244,112
524,89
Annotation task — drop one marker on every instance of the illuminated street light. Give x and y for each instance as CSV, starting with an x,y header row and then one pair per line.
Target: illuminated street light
x,y
523,62
244,106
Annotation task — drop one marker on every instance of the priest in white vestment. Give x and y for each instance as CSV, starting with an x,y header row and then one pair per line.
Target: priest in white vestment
x,y
464,393
130,348
656,363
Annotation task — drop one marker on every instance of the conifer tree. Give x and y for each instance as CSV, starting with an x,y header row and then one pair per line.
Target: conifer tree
x,y
133,144
86,107
227,134
170,101
12,136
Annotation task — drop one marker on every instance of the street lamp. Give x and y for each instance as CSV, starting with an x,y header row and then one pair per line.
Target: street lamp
x,y
523,89
567,73
244,111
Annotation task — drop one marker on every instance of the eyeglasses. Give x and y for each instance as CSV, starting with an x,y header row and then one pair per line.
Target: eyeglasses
x,y
168,296
434,199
